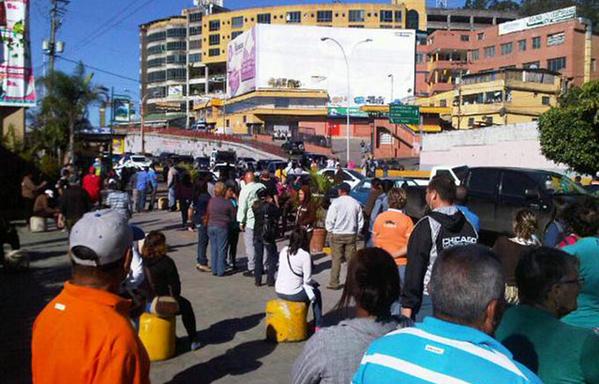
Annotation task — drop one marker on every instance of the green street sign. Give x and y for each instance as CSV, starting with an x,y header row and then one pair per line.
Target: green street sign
x,y
404,114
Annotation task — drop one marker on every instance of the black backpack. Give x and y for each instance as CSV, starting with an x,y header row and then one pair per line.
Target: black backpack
x,y
269,226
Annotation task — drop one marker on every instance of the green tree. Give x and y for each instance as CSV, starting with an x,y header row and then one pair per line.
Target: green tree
x,y
569,133
498,5
64,108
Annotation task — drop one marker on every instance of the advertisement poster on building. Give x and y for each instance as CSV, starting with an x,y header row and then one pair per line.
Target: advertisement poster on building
x,y
540,20
296,57
122,110
175,91
16,73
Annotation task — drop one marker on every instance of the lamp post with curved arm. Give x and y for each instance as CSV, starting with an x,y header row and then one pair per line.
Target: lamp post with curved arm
x,y
347,67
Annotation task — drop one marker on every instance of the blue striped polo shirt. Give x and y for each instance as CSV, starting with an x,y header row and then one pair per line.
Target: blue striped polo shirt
x,y
437,351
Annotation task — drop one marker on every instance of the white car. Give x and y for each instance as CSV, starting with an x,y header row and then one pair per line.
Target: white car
x,y
350,176
132,161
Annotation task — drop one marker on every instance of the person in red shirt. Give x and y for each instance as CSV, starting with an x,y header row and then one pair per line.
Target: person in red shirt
x,y
84,334
92,185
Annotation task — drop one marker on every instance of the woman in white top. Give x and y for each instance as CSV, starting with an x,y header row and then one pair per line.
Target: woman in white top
x,y
294,280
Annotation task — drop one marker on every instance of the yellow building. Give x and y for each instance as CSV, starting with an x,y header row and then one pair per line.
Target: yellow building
x,y
508,96
220,28
262,110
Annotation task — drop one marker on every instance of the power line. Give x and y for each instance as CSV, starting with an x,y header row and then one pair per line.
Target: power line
x,y
99,69
103,29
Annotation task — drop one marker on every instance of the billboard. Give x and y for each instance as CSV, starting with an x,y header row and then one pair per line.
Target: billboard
x,y
122,109
272,56
16,73
540,20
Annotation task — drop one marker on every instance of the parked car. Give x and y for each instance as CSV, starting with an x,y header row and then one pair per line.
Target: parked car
x,y
248,162
495,194
350,176
132,161
361,191
202,162
276,164
293,147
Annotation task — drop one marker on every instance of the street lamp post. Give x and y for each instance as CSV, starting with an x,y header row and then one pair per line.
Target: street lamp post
x,y
143,120
391,77
347,67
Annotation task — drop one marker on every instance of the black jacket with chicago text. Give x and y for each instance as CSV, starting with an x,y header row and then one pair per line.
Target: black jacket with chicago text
x,y
441,229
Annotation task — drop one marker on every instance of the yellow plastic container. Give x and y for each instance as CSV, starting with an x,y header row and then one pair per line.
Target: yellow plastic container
x,y
158,336
286,321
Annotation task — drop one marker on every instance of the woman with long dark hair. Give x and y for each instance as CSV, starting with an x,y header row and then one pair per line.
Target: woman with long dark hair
x,y
294,281
333,355
305,215
200,201
163,278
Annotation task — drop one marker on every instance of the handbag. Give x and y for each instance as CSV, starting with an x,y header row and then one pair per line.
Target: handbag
x,y
165,306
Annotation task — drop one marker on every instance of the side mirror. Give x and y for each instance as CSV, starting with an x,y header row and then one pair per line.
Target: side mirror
x,y
532,193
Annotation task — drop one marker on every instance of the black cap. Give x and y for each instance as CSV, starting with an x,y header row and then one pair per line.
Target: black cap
x,y
344,187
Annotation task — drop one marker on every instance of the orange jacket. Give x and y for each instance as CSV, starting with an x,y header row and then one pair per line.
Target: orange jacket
x,y
391,232
84,336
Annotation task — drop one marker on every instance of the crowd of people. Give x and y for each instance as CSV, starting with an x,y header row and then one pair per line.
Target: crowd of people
x,y
424,301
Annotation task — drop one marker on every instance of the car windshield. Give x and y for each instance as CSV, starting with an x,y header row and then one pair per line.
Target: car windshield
x,y
355,174
558,184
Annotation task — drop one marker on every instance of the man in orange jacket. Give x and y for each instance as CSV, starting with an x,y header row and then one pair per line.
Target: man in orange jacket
x,y
84,335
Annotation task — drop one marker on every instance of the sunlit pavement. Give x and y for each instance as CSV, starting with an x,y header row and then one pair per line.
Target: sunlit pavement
x,y
229,312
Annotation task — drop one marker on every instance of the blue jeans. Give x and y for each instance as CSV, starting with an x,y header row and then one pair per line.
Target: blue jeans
x,y
303,297
141,200
396,306
271,260
202,244
218,249
172,200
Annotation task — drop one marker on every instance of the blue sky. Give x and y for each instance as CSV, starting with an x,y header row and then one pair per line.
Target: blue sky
x,y
104,33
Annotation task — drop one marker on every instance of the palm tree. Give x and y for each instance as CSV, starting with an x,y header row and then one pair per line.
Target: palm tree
x,y
65,106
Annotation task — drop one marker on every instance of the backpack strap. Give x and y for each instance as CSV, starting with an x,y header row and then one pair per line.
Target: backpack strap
x,y
290,268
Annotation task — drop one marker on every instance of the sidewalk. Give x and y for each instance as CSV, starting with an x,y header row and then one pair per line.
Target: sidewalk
x,y
229,312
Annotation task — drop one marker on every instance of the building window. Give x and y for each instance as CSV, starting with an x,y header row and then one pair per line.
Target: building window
x,y
156,49
419,58
195,58
556,39
193,31
213,52
412,19
214,39
536,42
235,34
356,16
355,26
488,120
545,100
385,26
214,25
195,44
175,59
156,37
522,45
263,18
237,22
556,64
195,17
593,65
156,76
480,36
464,38
398,16
475,55
532,65
386,16
156,62
176,32
175,46
294,17
471,121
506,48
490,51
324,16
443,103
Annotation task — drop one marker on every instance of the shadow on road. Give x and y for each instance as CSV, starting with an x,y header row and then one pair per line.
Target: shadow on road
x,y
238,360
224,331
321,267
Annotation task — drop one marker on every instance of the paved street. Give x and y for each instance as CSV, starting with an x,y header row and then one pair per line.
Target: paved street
x,y
229,311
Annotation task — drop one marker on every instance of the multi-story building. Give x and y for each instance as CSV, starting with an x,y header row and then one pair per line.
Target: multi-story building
x,y
560,42
501,97
460,19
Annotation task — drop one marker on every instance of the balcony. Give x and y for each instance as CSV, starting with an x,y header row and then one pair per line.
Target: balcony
x,y
447,64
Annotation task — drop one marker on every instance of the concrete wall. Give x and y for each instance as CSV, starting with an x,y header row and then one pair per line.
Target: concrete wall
x,y
508,146
156,144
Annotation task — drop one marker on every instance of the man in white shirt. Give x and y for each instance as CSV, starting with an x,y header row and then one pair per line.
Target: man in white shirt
x,y
246,219
344,221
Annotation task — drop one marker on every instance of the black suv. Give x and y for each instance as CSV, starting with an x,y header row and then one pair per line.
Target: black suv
x,y
294,147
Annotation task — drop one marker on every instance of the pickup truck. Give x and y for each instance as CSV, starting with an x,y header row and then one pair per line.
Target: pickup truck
x,y
495,194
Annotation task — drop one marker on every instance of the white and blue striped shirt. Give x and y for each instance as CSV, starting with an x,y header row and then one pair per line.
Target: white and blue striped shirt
x,y
438,351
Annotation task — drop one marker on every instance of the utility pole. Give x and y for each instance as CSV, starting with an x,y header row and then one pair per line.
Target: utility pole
x,y
51,47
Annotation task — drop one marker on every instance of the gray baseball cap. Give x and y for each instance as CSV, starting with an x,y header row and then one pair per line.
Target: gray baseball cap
x,y
106,232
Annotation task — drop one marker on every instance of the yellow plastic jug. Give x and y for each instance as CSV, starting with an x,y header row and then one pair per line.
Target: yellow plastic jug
x,y
286,321
158,335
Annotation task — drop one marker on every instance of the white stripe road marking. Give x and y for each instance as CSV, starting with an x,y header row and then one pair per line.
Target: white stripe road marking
x,y
492,356
411,369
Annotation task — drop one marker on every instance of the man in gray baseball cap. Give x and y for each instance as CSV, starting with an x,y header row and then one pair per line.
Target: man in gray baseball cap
x,y
88,308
